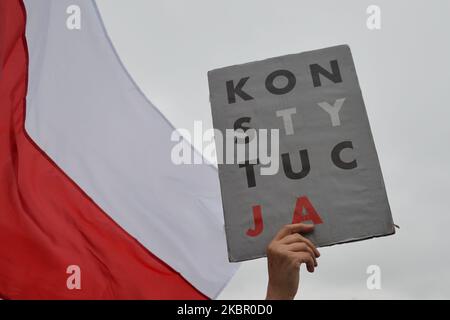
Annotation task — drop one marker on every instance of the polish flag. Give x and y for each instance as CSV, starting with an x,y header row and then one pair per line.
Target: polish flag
x,y
91,205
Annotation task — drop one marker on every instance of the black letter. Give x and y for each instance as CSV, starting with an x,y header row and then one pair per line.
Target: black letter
x,y
233,91
285,73
288,167
238,125
336,156
250,173
334,75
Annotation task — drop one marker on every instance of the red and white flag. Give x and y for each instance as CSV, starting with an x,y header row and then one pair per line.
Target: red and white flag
x,y
87,184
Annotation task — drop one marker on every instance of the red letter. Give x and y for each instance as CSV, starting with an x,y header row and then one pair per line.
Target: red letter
x,y
259,225
311,213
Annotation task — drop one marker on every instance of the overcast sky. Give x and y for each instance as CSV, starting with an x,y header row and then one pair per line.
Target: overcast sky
x,y
404,72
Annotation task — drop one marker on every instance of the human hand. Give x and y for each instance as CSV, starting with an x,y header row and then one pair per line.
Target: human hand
x,y
285,254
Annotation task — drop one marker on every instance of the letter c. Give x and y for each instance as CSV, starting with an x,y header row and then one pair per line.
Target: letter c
x,y
336,156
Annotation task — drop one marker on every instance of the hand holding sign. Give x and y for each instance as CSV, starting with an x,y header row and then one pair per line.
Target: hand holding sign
x,y
285,254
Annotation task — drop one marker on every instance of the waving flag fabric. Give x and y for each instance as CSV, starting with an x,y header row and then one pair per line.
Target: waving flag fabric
x,y
86,177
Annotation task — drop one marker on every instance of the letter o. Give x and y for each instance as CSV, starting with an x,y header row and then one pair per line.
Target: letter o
x,y
280,73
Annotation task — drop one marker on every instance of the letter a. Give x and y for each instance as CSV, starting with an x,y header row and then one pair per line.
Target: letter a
x,y
311,213
374,280
74,20
74,280
374,20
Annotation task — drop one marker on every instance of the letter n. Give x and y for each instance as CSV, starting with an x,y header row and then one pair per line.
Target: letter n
x,y
317,70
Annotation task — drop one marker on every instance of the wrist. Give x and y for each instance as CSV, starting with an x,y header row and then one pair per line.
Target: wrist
x,y
276,293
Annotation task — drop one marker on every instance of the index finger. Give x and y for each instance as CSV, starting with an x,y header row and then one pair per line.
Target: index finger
x,y
294,228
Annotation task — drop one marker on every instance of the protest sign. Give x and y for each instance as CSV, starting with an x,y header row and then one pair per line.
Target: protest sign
x,y
318,163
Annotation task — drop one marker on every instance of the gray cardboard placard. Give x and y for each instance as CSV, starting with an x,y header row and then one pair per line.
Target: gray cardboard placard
x,y
337,184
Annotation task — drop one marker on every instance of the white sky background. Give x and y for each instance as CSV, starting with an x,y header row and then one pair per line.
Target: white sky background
x,y
404,72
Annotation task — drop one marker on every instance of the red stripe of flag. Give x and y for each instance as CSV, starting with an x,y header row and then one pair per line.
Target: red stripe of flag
x,y
46,221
